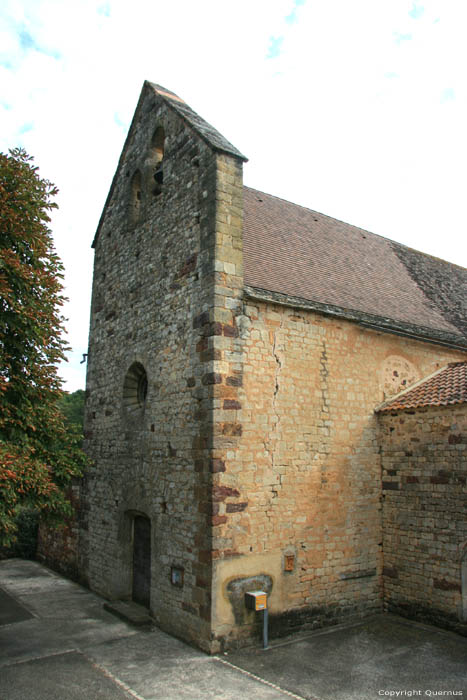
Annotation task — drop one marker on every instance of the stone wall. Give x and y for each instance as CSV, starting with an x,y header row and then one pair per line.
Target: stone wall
x,y
153,312
424,462
58,547
298,497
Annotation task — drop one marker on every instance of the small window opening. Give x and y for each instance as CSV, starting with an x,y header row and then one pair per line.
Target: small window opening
x,y
159,176
157,156
157,143
142,388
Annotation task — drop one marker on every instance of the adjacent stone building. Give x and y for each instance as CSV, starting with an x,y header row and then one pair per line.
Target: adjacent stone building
x,y
424,476
239,346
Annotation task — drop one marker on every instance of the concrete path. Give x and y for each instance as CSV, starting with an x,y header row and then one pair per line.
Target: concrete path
x,y
58,643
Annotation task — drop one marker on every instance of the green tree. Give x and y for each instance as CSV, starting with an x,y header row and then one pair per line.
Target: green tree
x,y
72,407
38,455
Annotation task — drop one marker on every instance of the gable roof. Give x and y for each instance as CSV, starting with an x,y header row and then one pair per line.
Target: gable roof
x,y
207,132
445,387
297,256
204,130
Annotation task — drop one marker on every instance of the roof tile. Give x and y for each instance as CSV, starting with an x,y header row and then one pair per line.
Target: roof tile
x,y
292,250
445,387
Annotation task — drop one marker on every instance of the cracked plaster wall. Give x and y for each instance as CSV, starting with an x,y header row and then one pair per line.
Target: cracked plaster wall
x,y
306,466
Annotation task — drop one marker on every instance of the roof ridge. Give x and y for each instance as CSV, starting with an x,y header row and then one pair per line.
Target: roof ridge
x,y
201,127
161,90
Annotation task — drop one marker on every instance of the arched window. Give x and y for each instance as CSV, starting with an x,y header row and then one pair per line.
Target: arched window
x,y
157,144
157,156
136,196
135,389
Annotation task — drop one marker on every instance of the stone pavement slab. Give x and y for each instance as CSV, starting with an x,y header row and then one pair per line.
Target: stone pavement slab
x,y
71,636
70,648
69,676
366,661
11,610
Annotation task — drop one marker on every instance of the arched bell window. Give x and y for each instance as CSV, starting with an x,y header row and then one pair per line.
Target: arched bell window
x,y
157,156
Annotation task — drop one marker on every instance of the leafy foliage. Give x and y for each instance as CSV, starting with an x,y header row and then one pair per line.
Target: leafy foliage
x,y
72,407
38,454
25,545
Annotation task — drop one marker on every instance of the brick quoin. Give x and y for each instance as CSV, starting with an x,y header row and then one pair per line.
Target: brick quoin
x,y
231,404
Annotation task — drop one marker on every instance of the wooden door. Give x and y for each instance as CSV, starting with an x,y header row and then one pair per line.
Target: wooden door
x,y
141,560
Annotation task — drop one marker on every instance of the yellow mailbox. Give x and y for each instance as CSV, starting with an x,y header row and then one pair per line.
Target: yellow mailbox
x,y
256,600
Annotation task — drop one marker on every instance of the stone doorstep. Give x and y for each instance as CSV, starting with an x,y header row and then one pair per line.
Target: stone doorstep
x,y
128,611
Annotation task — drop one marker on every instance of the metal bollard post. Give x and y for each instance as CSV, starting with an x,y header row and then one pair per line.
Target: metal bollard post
x,y
258,600
265,628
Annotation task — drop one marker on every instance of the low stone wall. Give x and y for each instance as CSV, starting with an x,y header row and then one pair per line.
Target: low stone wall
x,y
57,547
424,475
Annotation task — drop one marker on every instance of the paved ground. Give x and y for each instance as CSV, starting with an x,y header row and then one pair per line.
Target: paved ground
x,y
58,643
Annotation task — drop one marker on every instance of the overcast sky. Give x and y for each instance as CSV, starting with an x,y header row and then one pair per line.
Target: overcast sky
x,y
354,108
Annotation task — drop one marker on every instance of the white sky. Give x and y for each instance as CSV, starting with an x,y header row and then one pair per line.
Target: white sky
x,y
355,108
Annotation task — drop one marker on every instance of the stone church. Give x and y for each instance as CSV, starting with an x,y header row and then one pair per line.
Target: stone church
x,y
248,409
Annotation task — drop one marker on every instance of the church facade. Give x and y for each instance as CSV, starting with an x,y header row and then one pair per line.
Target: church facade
x,y
239,348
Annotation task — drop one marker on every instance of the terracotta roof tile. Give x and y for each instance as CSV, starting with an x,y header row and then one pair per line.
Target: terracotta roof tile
x,y
445,387
294,251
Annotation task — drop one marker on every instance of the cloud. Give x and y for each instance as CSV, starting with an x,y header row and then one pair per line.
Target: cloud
x,y
26,127
104,9
351,139
26,41
275,44
400,38
120,122
448,95
417,10
293,16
